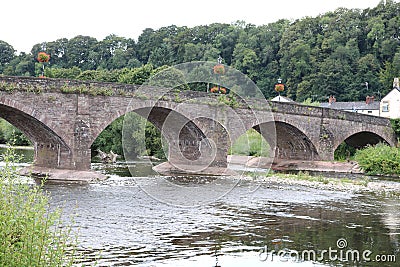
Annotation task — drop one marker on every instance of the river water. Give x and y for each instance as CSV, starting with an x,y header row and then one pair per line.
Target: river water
x,y
121,224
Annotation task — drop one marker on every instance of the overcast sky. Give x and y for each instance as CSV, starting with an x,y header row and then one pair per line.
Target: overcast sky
x,y
24,23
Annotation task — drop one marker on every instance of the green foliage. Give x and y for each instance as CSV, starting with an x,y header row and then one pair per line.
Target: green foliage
x,y
396,126
30,234
229,100
62,73
145,138
380,159
250,144
344,152
8,87
9,133
83,89
6,54
110,138
137,75
155,144
309,102
168,77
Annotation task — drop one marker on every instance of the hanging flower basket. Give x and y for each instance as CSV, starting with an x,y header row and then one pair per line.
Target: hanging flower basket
x,y
43,57
279,87
219,69
217,90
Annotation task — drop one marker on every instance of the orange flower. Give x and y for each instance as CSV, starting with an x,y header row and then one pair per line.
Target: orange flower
x,y
220,90
219,69
279,87
43,57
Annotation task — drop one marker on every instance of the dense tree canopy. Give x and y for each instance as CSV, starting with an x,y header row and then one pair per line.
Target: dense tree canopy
x,y
334,53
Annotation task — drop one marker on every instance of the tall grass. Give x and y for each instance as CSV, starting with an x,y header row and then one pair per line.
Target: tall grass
x,y
250,144
30,234
379,159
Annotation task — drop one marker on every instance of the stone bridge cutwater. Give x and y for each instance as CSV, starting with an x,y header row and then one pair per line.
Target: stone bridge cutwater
x,y
62,118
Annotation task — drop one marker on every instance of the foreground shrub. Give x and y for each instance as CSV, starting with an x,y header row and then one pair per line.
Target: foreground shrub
x,y
30,234
379,159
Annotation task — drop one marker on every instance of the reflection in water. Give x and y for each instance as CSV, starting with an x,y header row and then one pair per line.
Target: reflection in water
x,y
391,219
120,225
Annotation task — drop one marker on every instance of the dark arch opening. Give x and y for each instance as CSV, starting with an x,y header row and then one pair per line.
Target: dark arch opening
x,y
347,149
47,144
287,141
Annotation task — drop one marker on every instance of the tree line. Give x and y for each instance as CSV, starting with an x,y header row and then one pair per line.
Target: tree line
x,y
335,53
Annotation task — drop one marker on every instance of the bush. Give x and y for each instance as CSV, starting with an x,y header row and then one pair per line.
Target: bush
x,y
30,234
380,159
396,126
344,152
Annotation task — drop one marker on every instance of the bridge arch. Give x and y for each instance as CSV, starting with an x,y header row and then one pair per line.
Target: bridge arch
x,y
49,145
190,140
361,139
287,141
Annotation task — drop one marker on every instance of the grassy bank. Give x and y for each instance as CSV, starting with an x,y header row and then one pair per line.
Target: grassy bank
x,y
30,234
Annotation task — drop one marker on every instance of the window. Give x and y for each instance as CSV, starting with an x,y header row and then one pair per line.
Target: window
x,y
369,111
385,106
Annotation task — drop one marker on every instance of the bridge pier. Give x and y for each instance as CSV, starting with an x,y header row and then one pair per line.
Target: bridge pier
x,y
200,147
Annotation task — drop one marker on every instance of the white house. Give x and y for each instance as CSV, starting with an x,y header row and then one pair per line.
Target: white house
x,y
390,104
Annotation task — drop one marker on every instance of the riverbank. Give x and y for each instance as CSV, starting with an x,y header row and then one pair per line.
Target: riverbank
x,y
17,147
360,184
62,175
350,167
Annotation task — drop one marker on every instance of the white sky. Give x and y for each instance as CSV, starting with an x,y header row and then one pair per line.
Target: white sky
x,y
24,23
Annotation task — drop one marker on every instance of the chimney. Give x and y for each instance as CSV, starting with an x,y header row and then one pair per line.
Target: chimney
x,y
369,99
396,83
332,99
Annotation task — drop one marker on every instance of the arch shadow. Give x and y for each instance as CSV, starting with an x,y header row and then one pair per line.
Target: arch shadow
x,y
362,139
287,142
49,146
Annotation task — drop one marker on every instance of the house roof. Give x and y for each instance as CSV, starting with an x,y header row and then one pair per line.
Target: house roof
x,y
356,105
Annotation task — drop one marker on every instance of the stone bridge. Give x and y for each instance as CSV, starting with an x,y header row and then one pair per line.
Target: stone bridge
x,y
62,118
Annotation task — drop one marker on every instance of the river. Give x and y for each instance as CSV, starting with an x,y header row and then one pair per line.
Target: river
x,y
268,224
